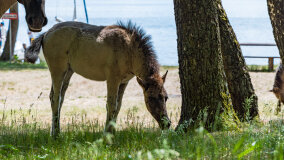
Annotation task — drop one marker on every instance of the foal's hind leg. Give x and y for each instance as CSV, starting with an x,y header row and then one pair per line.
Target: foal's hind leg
x,y
60,82
278,109
121,90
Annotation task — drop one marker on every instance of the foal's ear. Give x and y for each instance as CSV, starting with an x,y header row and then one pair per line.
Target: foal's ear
x,y
165,76
141,83
275,90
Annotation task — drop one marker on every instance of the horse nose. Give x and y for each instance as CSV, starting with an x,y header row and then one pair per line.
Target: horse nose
x,y
36,22
166,123
169,124
45,21
30,21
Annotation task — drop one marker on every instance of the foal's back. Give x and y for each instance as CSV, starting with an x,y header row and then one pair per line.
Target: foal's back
x,y
95,52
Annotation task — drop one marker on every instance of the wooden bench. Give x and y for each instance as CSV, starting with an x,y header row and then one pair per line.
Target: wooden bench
x,y
270,58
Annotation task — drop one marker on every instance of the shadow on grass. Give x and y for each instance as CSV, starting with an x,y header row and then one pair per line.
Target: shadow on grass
x,y
87,141
36,143
5,66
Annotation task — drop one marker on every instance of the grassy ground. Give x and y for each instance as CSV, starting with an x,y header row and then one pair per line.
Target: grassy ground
x,y
25,118
21,66
22,139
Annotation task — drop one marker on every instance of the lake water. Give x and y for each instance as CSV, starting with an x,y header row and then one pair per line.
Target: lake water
x,y
248,17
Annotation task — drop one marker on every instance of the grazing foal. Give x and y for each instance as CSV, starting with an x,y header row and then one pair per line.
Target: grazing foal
x,y
114,54
278,87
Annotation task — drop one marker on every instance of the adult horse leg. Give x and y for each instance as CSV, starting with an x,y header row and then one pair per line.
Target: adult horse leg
x,y
60,82
111,106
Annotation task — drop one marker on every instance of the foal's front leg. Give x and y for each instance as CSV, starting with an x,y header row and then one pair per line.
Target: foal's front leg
x,y
111,106
278,109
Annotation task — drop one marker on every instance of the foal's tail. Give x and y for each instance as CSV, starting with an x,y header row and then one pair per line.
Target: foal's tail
x,y
31,54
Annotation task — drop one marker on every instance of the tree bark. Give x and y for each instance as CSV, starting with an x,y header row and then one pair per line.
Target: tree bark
x,y
276,13
14,25
238,78
203,86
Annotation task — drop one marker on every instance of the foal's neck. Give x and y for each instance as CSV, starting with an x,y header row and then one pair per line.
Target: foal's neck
x,y
145,68
5,5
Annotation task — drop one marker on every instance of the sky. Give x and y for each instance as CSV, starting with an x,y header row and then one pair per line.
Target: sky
x,y
234,8
133,9
246,8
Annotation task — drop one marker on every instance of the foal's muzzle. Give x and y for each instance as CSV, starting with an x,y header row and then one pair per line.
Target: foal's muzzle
x,y
165,123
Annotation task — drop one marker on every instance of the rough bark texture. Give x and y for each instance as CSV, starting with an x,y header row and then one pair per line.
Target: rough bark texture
x,y
276,13
15,24
238,78
200,62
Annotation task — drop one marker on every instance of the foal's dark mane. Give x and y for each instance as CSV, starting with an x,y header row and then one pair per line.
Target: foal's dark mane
x,y
144,42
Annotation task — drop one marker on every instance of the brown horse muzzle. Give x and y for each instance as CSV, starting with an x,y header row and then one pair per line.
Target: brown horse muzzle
x,y
35,15
35,24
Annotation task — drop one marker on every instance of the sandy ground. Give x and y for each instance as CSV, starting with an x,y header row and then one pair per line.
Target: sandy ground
x,y
29,89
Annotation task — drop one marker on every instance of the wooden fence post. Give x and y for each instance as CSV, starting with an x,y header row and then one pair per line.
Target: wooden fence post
x,y
270,63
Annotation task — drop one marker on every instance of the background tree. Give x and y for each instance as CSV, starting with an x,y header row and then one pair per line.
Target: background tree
x,y
203,86
14,25
276,13
238,78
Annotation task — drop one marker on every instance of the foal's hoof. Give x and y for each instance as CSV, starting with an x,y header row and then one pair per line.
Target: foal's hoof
x,y
110,130
54,134
277,111
108,138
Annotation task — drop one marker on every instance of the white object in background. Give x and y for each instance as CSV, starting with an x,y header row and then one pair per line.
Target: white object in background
x,y
41,56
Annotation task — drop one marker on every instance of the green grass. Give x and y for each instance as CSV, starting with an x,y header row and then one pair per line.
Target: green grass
x,y
26,139
251,68
22,136
169,67
21,66
259,68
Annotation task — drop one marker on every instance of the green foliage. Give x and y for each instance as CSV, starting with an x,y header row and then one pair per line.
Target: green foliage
x,y
259,68
16,65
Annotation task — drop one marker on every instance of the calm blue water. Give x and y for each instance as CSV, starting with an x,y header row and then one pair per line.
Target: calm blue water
x,y
248,17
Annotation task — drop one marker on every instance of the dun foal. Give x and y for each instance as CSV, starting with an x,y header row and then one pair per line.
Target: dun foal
x,y
114,54
278,87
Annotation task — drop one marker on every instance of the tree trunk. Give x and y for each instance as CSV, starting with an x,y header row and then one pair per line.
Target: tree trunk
x,y
203,86
14,25
238,78
276,13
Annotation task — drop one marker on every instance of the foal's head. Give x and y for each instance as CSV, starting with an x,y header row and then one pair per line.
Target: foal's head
x,y
35,14
156,97
279,83
278,93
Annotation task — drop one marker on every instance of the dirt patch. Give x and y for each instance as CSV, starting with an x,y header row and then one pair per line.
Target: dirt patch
x,y
29,89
